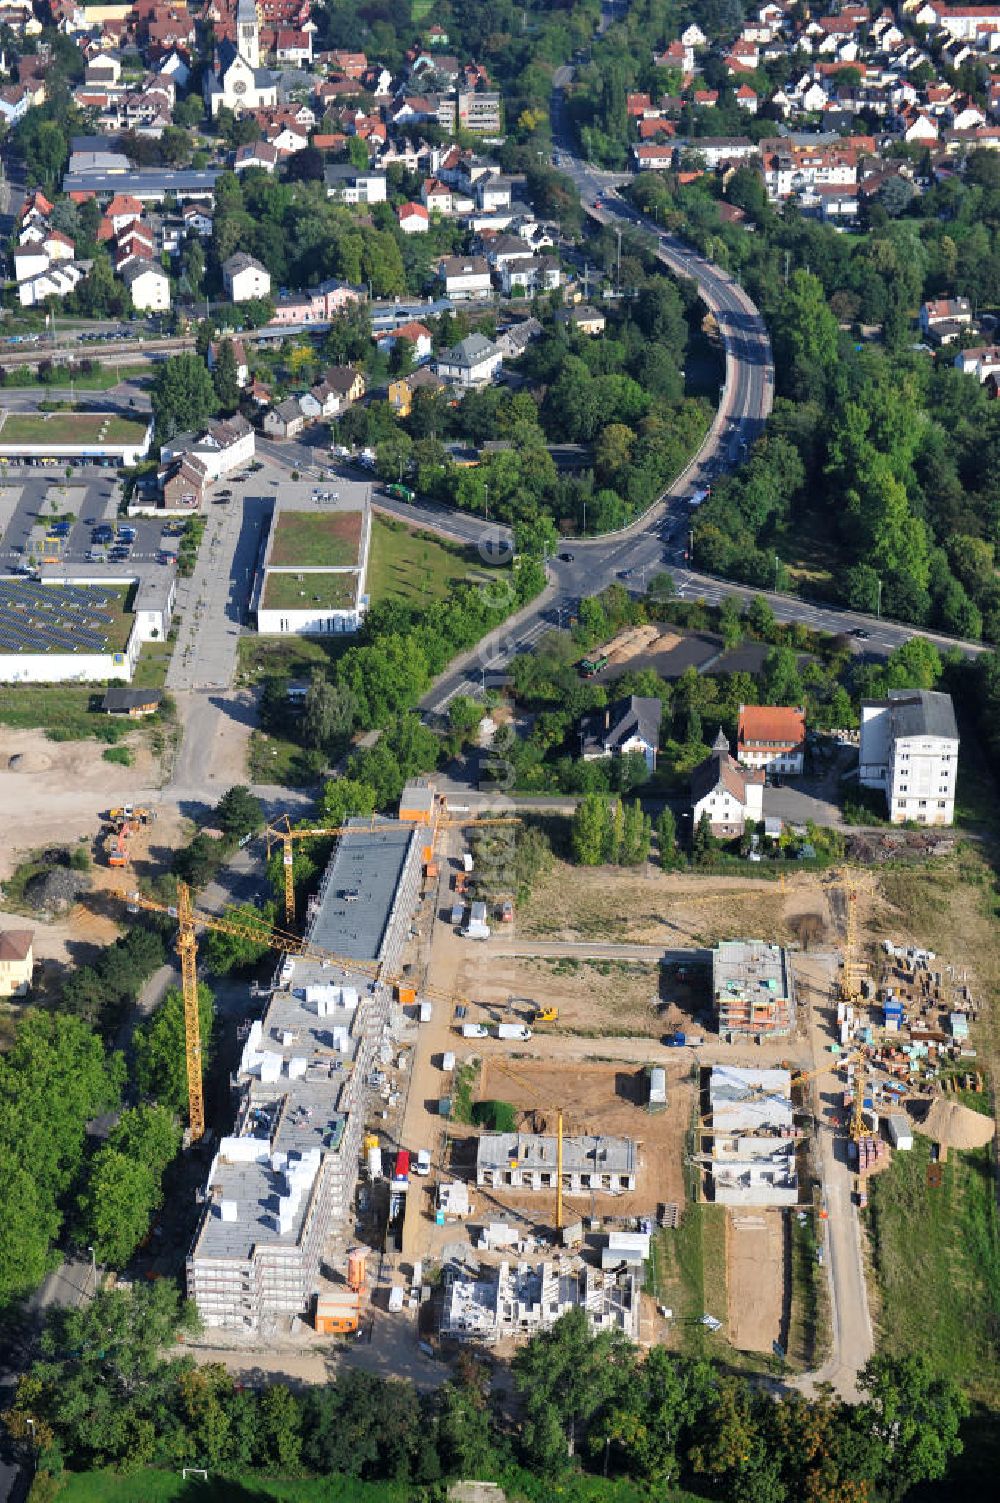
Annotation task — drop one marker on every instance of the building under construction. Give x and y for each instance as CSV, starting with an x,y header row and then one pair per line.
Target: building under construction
x,y
517,1303
753,989
528,1161
284,1179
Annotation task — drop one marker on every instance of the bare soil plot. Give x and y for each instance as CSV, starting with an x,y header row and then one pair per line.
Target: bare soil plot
x,y
597,1097
755,1277
611,998
649,906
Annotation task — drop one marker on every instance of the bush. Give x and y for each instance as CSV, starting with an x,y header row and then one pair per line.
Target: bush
x,y
496,1116
119,754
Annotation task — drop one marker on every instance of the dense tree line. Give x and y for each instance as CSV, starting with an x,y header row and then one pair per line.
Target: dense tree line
x,y
101,1395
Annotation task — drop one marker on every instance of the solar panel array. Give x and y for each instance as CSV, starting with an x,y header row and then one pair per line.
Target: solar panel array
x,y
55,618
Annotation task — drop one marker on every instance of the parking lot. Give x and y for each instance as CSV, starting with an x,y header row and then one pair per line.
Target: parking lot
x,y
33,501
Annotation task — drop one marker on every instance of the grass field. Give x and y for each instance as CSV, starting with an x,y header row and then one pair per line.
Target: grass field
x,y
69,428
166,1487
291,657
99,379
300,592
415,567
62,708
316,539
937,1255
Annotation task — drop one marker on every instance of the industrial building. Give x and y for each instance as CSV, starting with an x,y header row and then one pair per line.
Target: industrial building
x,y
754,1141
527,1161
753,989
519,1303
284,1179
48,438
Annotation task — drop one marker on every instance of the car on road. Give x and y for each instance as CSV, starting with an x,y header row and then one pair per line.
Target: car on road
x,y
566,558
861,634
60,529
626,573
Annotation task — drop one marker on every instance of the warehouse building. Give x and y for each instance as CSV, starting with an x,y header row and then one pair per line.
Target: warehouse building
x,y
284,1179
753,989
527,1161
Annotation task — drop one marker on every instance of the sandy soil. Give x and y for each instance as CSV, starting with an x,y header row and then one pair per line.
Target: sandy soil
x,y
58,788
754,1278
650,906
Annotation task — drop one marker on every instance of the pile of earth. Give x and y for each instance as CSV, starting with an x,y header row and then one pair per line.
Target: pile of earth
x,y
56,890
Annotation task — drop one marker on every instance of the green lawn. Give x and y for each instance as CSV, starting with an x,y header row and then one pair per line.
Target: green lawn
x,y
300,592
937,1258
64,708
291,657
415,567
99,379
69,427
165,1487
316,539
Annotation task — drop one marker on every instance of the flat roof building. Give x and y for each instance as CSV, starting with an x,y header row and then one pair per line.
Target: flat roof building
x,y
284,1180
527,1161
314,572
750,1101
753,989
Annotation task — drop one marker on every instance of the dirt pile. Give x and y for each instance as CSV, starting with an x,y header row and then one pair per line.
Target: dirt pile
x,y
57,890
956,1126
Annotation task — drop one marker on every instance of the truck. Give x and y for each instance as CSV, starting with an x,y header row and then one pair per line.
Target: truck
x,y
400,492
401,1172
682,1040
590,667
426,1012
457,914
477,927
519,1031
544,1015
475,1031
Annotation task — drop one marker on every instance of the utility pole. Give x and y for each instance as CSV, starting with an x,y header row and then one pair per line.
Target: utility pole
x,y
486,488
619,233
878,605
776,562
691,547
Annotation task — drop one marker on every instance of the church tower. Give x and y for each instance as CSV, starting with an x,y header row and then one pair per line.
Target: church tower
x,y
248,32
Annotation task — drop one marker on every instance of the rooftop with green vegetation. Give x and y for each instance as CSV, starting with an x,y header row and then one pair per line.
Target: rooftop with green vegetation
x,y
306,591
316,539
91,428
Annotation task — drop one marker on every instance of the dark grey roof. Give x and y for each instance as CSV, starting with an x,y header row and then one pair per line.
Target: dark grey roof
x,y
151,182
129,699
369,864
470,351
638,715
922,712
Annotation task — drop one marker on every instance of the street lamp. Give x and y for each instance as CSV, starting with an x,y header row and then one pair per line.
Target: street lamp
x,y
691,546
93,1266
776,562
584,519
486,489
878,604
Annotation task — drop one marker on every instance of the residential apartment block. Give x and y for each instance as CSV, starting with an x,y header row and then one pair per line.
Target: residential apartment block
x,y
909,749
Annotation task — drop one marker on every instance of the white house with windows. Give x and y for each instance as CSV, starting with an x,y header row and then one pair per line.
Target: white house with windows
x,y
628,725
473,362
909,749
148,285
244,277
728,793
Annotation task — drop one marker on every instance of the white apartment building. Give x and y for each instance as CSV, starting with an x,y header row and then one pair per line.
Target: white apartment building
x,y
909,749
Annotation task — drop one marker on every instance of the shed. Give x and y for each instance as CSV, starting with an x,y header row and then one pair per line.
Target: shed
x,y
959,1022
900,1131
132,702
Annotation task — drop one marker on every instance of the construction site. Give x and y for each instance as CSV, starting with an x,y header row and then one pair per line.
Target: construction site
x,y
446,1128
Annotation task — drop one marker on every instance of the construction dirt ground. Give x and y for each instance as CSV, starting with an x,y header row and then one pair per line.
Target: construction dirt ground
x,y
755,1274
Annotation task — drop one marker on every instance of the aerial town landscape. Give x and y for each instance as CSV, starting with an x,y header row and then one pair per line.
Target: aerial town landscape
x,y
499,709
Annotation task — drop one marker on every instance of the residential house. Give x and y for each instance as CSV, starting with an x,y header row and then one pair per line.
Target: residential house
x,y
473,362
530,276
626,727
402,391
413,219
245,278
354,185
514,340
261,154
729,794
184,485
982,362
465,277
417,334
225,445
239,355
148,285
58,279
436,196
285,420
771,737
909,750
17,961
583,318
945,310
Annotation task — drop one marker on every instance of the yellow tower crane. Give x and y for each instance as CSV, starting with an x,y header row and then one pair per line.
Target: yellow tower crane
x,y
189,919
285,835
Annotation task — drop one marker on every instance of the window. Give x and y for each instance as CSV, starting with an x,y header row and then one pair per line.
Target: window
x,y
941,803
922,803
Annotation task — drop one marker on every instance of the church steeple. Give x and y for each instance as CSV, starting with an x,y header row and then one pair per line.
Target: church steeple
x,y
248,32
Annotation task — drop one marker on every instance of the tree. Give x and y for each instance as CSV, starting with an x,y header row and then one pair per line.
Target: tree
x,y
914,1418
588,833
116,1207
183,396
225,377
761,618
238,813
229,952
564,1377
328,714
637,829
666,836
159,1044
343,798
703,842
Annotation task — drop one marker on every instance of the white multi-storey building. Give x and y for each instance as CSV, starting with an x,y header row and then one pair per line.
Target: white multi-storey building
x,y
909,748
